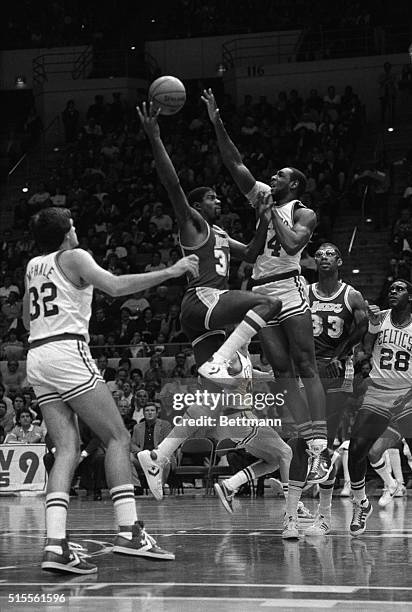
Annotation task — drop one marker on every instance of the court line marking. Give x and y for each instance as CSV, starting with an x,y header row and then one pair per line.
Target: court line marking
x,y
73,583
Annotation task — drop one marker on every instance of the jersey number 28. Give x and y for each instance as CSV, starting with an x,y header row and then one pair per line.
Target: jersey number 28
x,y
48,293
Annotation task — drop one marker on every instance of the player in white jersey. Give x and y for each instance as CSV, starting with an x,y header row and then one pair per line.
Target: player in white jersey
x,y
56,309
255,435
388,399
288,342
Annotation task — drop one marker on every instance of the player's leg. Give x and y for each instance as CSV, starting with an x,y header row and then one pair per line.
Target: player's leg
x,y
377,459
336,402
297,479
98,410
253,310
62,428
267,446
368,427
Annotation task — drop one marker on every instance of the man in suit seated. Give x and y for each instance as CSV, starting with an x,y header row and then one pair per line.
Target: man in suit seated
x,y
147,435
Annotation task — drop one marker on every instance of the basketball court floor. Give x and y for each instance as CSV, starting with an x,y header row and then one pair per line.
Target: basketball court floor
x,y
223,562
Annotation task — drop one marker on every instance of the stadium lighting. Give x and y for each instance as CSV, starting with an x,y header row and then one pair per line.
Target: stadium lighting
x,y
390,129
355,271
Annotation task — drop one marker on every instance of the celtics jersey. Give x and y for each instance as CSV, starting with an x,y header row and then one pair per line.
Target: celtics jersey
x,y
391,354
331,319
214,260
57,305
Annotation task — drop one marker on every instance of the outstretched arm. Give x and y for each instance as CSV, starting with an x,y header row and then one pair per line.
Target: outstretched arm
x,y
191,225
80,267
228,150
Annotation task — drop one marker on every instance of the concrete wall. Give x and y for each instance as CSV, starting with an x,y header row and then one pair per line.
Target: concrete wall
x,y
20,62
195,58
51,98
360,72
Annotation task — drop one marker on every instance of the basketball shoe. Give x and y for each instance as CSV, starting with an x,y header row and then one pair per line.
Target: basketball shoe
x,y
225,495
152,466
63,557
400,490
387,496
218,372
290,529
320,464
320,527
141,545
304,514
361,513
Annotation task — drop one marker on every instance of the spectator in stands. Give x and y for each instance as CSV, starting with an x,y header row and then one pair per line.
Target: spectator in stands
x,y
148,326
25,243
127,327
387,83
6,417
171,326
58,199
39,199
107,372
13,375
91,463
137,348
12,309
155,373
160,303
11,348
99,326
147,435
24,431
70,117
402,232
140,400
117,384
161,220
7,287
181,364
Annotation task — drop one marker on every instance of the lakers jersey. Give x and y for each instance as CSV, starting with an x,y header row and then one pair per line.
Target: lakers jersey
x,y
57,305
391,355
274,259
331,319
214,260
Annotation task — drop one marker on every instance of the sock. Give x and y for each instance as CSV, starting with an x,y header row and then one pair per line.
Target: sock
x,y
181,433
293,498
57,504
395,462
285,487
325,497
241,478
124,508
358,491
241,335
345,460
320,433
382,470
304,431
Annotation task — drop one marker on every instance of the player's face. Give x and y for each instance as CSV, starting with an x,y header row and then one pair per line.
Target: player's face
x,y
211,206
326,258
280,182
72,236
398,295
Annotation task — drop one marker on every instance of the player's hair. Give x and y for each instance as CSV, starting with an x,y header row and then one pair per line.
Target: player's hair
x,y
297,175
330,244
49,227
407,283
197,195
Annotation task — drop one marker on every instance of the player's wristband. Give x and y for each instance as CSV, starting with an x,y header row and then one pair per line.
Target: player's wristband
x,y
84,454
374,328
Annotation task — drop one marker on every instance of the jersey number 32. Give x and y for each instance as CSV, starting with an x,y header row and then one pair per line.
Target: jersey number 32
x,y
43,301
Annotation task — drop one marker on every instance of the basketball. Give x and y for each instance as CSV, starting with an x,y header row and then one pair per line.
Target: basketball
x,y
168,94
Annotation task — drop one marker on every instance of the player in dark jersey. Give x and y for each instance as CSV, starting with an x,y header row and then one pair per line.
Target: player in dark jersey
x,y
339,321
208,306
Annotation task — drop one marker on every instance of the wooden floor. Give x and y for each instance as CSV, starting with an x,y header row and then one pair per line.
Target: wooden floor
x,y
223,562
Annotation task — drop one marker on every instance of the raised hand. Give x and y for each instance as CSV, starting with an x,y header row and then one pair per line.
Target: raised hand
x,y
148,117
373,313
212,109
186,265
263,205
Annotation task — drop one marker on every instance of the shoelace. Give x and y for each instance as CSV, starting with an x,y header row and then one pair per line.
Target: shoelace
x,y
79,551
357,514
150,539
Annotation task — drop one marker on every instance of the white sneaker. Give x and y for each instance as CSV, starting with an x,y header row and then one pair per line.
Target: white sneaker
x,y
152,466
346,491
276,486
290,529
304,514
387,496
400,490
320,527
217,371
